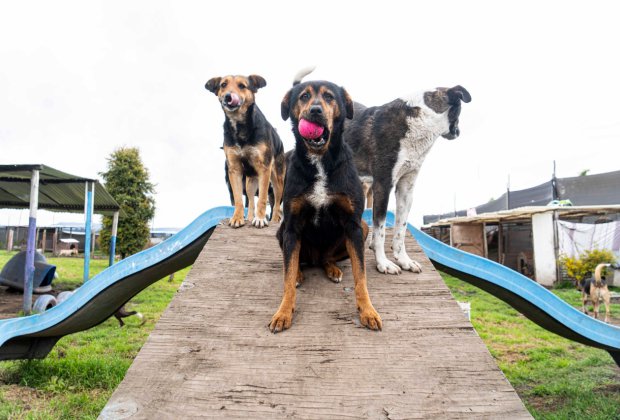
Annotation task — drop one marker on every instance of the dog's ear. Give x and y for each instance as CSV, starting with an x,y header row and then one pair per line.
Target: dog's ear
x,y
256,82
213,84
348,103
458,93
285,105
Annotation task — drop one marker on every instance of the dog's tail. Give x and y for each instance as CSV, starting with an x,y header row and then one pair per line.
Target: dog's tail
x,y
597,274
302,73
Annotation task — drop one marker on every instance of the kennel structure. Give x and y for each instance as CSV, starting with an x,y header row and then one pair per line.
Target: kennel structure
x,y
53,238
528,230
530,240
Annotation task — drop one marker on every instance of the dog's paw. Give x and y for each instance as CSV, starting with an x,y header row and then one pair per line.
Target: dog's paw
x,y
333,273
277,218
260,222
387,267
370,318
281,321
236,221
408,264
300,278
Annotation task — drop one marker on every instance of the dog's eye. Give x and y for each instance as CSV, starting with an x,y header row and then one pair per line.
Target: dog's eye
x,y
304,96
223,85
241,86
328,96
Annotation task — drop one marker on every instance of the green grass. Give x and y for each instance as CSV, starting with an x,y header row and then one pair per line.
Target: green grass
x,y
79,375
556,378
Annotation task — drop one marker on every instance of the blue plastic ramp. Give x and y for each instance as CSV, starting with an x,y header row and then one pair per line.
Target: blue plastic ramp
x,y
34,336
526,296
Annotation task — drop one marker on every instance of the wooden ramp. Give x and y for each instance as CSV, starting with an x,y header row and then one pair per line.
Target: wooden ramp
x,y
212,355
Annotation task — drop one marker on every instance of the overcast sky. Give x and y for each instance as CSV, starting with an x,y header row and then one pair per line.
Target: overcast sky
x,y
80,79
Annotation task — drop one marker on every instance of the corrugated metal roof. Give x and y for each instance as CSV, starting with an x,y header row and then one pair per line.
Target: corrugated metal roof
x,y
523,213
58,191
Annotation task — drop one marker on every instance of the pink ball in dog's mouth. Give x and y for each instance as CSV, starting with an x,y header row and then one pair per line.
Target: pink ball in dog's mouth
x,y
310,130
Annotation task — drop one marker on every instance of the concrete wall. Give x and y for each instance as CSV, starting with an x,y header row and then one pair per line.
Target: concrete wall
x,y
545,262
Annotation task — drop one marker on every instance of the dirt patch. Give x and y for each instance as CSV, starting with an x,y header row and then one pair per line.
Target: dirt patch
x,y
512,353
542,404
608,389
12,301
512,357
24,397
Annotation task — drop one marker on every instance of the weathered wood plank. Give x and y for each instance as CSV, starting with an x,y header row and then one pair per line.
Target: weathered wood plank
x,y
212,355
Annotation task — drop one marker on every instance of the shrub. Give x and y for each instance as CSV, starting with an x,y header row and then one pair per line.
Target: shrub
x,y
580,267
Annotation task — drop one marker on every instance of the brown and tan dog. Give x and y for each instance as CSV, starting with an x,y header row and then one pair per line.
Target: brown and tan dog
x,y
252,147
323,198
594,290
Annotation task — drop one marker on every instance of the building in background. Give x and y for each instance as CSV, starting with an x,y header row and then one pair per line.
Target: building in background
x,y
54,238
528,230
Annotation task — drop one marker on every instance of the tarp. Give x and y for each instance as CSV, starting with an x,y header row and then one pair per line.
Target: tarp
x,y
58,191
575,238
590,190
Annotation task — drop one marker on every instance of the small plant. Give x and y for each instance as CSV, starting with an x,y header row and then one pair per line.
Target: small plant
x,y
57,385
581,267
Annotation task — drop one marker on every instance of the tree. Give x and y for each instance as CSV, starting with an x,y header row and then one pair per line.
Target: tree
x,y
127,181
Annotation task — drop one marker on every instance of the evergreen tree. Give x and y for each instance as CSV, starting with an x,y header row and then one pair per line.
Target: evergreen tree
x,y
127,181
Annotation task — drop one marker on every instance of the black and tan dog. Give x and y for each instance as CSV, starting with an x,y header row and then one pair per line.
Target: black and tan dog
x,y
389,144
252,147
323,198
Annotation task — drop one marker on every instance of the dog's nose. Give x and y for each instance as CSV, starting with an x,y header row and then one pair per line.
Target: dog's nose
x,y
316,110
227,97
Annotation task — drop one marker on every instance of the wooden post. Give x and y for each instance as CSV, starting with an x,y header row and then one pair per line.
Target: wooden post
x,y
31,245
500,243
485,245
556,241
44,240
55,242
9,241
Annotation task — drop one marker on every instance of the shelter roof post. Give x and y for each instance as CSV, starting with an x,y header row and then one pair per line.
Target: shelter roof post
x,y
113,237
30,247
88,207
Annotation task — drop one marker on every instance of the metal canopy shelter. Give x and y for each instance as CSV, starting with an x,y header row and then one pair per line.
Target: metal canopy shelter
x,y
39,186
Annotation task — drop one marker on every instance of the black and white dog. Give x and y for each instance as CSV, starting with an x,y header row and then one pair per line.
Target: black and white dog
x,y
390,143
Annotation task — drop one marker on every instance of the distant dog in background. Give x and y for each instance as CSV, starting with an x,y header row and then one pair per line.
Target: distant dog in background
x,y
389,144
252,147
595,289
